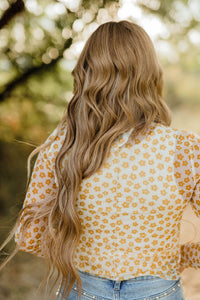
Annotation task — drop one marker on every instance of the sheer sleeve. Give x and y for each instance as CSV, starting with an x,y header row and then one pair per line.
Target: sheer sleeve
x,y
42,187
189,144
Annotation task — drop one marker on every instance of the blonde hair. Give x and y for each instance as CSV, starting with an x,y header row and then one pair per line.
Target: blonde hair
x,y
118,85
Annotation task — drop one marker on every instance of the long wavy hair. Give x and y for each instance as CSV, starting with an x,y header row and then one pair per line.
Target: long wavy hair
x,y
118,85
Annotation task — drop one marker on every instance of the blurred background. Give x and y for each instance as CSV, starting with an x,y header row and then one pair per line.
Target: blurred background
x,y
40,42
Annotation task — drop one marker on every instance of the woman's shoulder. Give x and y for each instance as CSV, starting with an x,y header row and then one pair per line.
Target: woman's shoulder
x,y
180,134
187,136
58,134
54,142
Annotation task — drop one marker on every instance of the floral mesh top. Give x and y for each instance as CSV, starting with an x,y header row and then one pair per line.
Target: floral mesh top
x,y
131,208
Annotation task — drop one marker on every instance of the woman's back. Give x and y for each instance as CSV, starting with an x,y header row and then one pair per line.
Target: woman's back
x,y
131,208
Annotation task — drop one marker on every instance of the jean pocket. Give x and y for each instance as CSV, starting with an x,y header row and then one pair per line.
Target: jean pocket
x,y
85,295
169,294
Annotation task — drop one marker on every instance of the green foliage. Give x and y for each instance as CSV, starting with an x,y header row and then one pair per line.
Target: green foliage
x,y
179,15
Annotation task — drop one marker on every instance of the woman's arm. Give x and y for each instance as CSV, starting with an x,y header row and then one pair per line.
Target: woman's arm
x,y
190,256
42,188
190,252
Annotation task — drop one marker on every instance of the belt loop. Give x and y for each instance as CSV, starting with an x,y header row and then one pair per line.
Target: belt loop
x,y
117,285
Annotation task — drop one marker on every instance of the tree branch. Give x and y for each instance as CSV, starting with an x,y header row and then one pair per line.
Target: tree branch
x,y
15,8
33,70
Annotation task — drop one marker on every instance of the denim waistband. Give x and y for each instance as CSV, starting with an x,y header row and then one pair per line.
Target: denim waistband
x,y
148,287
138,278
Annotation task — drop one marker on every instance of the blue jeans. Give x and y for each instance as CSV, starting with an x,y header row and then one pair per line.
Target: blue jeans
x,y
139,288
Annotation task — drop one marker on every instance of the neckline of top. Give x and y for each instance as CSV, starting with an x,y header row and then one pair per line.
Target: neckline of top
x,y
123,138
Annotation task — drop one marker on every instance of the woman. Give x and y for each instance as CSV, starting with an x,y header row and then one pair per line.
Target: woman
x,y
109,187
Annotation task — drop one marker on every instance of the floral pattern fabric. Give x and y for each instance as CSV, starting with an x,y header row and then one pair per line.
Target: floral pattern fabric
x,y
131,208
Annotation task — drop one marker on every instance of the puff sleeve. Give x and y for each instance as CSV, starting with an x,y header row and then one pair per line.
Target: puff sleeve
x,y
189,144
42,187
